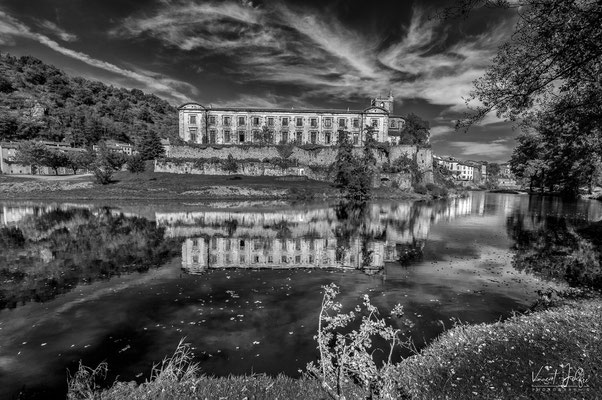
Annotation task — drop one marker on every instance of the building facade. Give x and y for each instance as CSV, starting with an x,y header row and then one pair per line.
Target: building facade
x,y
228,125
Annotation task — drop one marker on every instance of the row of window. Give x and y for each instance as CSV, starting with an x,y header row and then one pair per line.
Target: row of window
x,y
284,121
270,259
242,136
260,244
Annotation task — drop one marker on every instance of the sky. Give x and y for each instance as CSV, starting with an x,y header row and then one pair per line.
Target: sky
x,y
278,53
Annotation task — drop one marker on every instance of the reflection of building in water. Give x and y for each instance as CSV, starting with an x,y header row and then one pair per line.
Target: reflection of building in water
x,y
310,238
201,253
13,215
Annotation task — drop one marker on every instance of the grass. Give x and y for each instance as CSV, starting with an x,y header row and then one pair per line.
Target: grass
x,y
179,378
496,361
166,186
163,186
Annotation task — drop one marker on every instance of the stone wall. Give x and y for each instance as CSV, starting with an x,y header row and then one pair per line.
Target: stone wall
x,y
320,156
244,168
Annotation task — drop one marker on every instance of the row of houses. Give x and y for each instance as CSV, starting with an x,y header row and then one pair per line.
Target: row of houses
x,y
475,172
10,166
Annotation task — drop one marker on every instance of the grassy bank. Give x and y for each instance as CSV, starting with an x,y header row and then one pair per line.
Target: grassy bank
x,y
496,361
485,361
166,186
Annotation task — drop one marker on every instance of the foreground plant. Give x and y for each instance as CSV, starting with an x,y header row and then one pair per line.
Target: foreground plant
x,y
348,359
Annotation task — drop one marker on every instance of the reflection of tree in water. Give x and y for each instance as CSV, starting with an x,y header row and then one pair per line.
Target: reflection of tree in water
x,y
350,217
55,252
555,248
408,253
231,225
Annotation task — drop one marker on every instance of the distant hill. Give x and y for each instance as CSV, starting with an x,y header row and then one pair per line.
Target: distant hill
x,y
39,101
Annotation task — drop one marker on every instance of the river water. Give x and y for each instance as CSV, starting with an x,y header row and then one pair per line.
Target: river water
x,y
241,282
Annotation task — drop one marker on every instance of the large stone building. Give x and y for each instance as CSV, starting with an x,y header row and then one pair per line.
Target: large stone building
x,y
229,125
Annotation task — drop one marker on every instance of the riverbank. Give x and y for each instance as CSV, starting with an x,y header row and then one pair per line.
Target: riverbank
x,y
166,186
504,360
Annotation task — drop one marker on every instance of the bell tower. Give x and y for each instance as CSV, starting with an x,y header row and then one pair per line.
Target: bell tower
x,y
384,102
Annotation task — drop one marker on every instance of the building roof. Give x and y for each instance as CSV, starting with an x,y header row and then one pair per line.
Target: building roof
x,y
290,110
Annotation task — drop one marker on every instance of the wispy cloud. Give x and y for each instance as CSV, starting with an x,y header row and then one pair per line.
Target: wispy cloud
x,y
11,28
54,29
313,49
481,149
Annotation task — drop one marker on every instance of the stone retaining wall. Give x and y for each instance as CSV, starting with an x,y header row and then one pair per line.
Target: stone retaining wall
x,y
318,157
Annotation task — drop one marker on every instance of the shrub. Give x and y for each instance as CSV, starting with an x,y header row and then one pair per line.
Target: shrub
x,y
350,357
420,189
230,165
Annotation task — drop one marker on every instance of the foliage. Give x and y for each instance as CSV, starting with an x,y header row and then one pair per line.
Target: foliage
x,y
420,189
556,47
76,109
416,130
285,150
103,166
554,249
87,245
350,356
136,164
264,137
561,145
230,165
178,377
31,153
404,164
437,192
150,147
353,175
79,160
55,159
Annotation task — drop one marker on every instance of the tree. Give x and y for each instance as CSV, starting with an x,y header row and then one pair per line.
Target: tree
x,y
6,86
151,147
416,130
102,167
264,137
55,159
136,164
353,175
526,161
9,127
79,160
556,47
31,153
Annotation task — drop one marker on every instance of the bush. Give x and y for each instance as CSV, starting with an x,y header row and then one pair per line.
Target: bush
x,y
350,357
230,165
420,189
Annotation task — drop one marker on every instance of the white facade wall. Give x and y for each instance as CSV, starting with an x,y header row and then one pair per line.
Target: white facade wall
x,y
198,124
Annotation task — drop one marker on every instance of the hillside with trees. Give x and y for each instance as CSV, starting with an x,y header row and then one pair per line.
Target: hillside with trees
x,y
39,101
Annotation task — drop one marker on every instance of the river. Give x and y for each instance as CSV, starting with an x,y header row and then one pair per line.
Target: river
x,y
241,282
